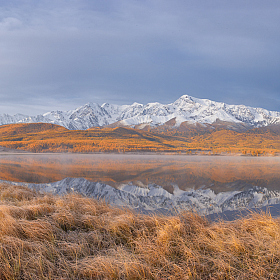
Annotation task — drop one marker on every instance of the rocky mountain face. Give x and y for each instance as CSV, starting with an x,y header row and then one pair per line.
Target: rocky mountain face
x,y
186,109
153,197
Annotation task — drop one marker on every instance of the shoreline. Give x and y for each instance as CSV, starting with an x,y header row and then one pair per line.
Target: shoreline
x,y
6,151
27,153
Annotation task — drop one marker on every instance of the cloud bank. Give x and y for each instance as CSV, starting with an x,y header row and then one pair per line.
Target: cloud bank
x,y
62,54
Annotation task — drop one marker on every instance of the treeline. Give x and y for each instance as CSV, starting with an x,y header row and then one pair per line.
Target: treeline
x,y
53,138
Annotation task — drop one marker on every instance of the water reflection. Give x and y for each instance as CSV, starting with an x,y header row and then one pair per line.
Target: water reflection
x,y
220,173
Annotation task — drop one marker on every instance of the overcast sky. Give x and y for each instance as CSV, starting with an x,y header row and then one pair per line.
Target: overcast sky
x,y
57,55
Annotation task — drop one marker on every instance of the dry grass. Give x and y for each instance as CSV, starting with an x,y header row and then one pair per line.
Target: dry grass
x,y
72,237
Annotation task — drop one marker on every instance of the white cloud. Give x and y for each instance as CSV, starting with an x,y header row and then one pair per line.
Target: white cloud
x,y
10,23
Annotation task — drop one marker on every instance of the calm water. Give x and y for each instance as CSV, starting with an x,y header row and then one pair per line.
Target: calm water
x,y
221,173
207,184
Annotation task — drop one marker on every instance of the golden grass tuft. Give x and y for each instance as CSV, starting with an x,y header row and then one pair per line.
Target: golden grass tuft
x,y
72,237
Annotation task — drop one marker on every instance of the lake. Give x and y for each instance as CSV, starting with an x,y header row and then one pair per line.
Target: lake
x,y
207,184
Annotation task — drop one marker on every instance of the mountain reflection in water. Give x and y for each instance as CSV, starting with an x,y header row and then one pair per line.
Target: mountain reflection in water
x,y
206,184
220,173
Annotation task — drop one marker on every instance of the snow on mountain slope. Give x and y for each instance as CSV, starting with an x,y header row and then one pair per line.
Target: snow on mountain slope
x,y
7,119
186,108
154,197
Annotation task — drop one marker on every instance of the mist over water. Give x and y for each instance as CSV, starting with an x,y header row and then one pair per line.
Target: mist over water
x,y
205,184
220,173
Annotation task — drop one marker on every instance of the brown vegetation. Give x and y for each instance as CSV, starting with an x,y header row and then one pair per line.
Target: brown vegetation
x,y
72,237
41,137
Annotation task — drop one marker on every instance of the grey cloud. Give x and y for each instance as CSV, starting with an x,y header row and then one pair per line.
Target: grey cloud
x,y
73,52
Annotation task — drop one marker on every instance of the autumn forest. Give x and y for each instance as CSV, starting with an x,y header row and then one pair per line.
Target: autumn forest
x,y
41,137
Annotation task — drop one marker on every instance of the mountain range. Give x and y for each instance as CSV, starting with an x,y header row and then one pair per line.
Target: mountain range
x,y
184,110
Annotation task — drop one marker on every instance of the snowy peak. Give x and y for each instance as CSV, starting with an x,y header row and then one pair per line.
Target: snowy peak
x,y
184,109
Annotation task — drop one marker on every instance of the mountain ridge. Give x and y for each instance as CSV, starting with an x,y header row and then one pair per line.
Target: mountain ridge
x,y
186,109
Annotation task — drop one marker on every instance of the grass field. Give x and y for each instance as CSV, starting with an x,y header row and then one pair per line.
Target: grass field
x,y
72,237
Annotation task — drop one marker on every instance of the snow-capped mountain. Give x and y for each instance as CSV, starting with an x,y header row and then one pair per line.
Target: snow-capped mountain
x,y
184,109
154,197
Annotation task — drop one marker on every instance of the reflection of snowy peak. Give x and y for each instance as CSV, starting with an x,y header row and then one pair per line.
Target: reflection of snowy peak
x,y
186,108
154,197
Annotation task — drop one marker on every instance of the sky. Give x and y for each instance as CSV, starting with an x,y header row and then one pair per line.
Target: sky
x,y
61,54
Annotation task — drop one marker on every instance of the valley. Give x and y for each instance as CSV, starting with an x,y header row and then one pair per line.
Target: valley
x,y
41,137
